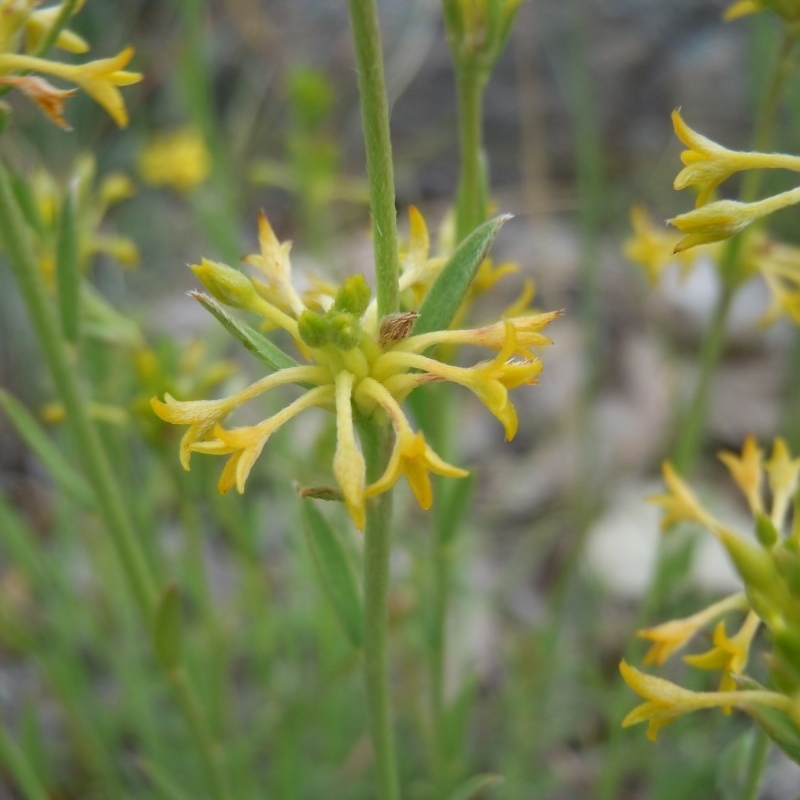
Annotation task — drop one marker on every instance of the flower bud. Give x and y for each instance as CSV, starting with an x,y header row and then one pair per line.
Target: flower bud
x,y
227,284
313,329
343,329
353,296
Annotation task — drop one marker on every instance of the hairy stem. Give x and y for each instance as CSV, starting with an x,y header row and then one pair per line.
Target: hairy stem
x,y
380,173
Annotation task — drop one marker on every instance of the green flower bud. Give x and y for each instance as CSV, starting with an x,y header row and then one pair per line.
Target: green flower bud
x,y
343,329
788,563
756,567
353,296
313,329
228,285
766,532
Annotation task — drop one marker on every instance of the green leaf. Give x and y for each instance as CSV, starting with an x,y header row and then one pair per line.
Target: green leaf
x,y
473,787
27,205
68,278
20,769
335,571
161,781
458,501
258,345
167,628
104,323
448,290
779,727
60,469
22,546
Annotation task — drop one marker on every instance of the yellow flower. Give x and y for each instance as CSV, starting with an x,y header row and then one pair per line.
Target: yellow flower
x,y
729,654
419,269
653,248
746,471
788,9
99,79
782,473
708,164
177,158
779,265
725,218
356,364
741,8
40,22
411,455
671,636
680,503
666,701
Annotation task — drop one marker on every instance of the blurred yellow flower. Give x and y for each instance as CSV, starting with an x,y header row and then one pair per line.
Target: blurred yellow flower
x,y
653,247
680,503
666,701
747,471
788,9
675,634
177,158
729,654
769,568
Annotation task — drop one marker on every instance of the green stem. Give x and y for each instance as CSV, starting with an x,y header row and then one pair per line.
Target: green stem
x,y
471,197
442,562
757,760
209,748
377,547
20,769
215,661
14,232
375,121
692,420
217,205
768,113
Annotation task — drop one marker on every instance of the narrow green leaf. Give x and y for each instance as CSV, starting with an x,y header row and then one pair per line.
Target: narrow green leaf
x,y
20,769
779,727
167,628
22,547
335,571
458,500
60,469
161,781
473,787
68,279
27,204
258,345
448,290
104,323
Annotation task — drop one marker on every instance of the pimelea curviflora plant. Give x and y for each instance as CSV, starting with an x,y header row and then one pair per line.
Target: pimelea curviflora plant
x,y
727,232
360,356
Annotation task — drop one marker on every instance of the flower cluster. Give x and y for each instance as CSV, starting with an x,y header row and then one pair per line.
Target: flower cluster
x,y
706,166
770,571
354,365
26,32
